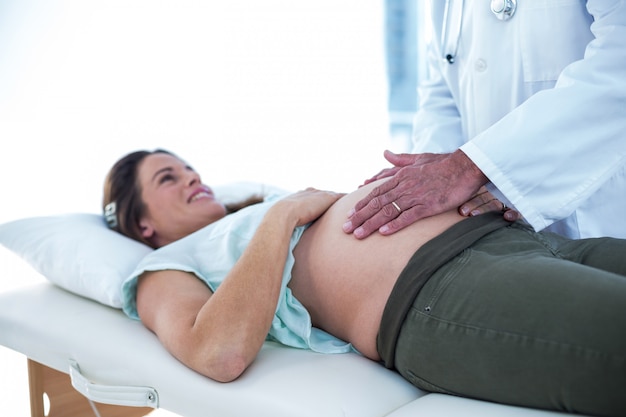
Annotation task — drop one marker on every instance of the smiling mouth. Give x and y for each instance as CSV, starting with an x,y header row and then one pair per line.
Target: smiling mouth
x,y
199,196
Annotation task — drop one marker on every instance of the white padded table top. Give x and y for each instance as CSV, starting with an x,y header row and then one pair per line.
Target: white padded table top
x,y
52,326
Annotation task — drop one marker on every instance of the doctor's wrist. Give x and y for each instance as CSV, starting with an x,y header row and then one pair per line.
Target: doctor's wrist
x,y
468,170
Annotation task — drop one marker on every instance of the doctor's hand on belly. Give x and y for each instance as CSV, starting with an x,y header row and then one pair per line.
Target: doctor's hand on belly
x,y
419,186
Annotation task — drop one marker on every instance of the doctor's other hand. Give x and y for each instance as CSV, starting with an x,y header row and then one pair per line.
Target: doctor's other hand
x,y
419,186
485,202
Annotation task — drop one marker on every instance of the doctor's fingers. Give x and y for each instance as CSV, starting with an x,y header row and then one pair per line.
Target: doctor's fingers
x,y
406,218
388,218
485,203
376,198
405,159
480,203
384,173
373,211
512,215
397,160
400,219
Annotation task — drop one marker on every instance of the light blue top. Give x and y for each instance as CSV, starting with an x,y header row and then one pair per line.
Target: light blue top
x,y
211,252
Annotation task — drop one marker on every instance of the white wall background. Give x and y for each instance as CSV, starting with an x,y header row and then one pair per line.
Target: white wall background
x,y
286,92
290,93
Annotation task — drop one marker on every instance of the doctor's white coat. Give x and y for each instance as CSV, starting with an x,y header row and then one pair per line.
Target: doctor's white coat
x,y
538,102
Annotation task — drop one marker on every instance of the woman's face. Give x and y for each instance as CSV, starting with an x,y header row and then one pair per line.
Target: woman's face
x,y
176,201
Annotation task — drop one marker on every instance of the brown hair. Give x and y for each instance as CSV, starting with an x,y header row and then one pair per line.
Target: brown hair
x,y
121,202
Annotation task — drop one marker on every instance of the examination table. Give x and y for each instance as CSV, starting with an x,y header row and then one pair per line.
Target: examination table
x,y
90,359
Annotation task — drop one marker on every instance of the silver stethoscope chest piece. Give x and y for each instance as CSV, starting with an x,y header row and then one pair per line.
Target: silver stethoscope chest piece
x,y
453,17
503,9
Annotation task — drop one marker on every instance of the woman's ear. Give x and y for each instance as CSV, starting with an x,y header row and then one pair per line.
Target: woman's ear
x,y
147,229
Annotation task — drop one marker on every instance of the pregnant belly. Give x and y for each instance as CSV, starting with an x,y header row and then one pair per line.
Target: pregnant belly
x,y
345,282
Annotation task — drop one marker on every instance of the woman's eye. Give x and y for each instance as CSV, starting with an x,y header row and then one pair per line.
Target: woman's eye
x,y
166,177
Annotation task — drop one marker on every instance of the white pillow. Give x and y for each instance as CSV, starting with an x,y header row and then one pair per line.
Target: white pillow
x,y
80,253
77,252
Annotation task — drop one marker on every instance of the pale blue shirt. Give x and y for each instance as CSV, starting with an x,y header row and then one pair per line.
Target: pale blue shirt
x,y
211,252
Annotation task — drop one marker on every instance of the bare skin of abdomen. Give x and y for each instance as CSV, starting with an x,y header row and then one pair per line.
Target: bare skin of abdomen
x,y
345,282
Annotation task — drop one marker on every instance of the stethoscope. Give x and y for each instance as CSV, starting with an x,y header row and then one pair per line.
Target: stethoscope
x,y
453,15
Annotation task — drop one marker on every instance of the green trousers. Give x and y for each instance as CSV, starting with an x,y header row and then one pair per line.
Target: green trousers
x,y
524,318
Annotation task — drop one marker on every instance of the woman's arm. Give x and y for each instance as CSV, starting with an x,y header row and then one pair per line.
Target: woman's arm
x,y
220,334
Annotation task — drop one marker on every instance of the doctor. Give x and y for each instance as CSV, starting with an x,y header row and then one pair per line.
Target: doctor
x,y
527,97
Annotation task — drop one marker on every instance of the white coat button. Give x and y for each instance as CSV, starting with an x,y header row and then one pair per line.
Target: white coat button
x,y
480,65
